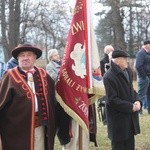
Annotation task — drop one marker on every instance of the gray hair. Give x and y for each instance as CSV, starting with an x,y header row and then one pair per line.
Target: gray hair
x,y
108,49
51,52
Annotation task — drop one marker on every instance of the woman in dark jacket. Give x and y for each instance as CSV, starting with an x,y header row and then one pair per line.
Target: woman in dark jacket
x,y
122,103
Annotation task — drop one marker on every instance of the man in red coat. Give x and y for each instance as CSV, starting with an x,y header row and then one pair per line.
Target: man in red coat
x,y
27,98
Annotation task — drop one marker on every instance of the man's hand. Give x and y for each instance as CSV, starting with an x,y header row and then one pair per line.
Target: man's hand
x,y
136,106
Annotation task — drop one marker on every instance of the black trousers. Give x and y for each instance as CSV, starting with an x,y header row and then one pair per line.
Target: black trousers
x,y
128,144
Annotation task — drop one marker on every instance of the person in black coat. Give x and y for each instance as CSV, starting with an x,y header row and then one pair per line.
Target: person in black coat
x,y
104,63
104,66
122,104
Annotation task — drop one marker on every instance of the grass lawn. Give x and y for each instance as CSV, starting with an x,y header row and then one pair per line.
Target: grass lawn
x,y
142,140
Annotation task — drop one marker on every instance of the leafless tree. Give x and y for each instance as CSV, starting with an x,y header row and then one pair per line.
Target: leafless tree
x,y
43,22
124,23
117,22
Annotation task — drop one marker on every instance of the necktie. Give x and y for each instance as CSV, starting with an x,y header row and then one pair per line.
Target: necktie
x,y
30,82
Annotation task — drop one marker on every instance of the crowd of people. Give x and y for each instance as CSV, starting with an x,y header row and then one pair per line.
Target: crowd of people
x,y
31,117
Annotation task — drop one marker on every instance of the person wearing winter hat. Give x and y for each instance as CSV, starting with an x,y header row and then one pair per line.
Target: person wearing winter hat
x,y
27,103
122,103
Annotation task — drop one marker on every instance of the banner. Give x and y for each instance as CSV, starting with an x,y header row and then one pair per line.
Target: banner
x,y
79,74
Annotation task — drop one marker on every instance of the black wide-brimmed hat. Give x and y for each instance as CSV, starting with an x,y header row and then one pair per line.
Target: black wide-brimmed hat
x,y
26,47
119,53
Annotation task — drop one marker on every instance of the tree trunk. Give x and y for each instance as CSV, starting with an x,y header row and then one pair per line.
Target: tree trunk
x,y
117,22
14,23
3,31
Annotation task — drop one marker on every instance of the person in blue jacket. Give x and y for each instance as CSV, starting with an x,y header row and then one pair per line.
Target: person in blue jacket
x,y
2,68
142,66
11,63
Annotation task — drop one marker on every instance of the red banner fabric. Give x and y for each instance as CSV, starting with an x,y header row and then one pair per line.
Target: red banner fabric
x,y
73,82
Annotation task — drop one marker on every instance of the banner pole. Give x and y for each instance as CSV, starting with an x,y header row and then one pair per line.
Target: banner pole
x,y
80,138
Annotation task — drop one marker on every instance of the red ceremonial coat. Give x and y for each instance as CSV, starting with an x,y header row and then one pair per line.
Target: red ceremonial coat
x,y
17,109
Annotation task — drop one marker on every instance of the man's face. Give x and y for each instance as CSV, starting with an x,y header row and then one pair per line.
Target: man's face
x,y
123,62
26,60
147,47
